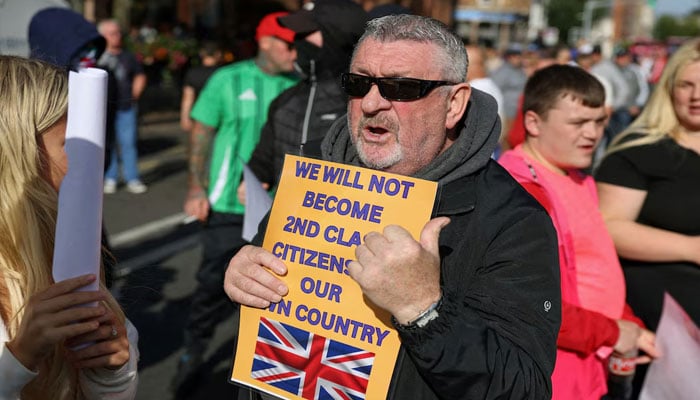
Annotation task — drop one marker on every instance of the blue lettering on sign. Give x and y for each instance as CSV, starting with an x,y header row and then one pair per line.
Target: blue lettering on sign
x,y
283,307
334,234
307,170
302,227
341,176
342,206
391,186
310,257
321,289
338,324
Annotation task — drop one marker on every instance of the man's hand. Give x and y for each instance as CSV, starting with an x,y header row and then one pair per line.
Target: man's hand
x,y
647,343
633,337
398,273
627,340
197,204
248,280
242,191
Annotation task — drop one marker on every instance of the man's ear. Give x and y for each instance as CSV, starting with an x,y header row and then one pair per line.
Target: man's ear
x,y
532,123
264,43
457,104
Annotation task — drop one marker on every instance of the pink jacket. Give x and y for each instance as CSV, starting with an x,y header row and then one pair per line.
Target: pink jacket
x,y
586,337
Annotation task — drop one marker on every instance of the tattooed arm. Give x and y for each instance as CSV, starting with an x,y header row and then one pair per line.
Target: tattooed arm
x,y
196,203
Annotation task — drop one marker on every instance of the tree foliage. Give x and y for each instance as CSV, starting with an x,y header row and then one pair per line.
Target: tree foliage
x,y
668,26
564,15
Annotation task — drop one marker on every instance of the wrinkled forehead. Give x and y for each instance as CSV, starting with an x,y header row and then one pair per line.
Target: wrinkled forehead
x,y
394,58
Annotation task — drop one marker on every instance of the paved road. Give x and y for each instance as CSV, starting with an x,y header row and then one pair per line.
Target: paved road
x,y
158,255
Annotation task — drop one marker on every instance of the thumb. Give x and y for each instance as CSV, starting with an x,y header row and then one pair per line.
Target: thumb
x,y
431,233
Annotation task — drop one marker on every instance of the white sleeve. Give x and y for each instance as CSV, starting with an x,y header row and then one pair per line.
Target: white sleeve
x,y
608,89
120,384
643,94
13,375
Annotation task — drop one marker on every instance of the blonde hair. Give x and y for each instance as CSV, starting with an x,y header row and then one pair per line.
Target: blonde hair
x,y
658,119
33,97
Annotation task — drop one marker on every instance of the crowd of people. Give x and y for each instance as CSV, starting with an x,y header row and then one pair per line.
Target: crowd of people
x,y
563,214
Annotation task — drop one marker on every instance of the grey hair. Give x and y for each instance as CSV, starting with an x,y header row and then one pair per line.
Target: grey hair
x,y
392,28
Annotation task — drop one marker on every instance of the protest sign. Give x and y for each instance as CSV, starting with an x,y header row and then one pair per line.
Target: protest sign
x,y
674,375
324,338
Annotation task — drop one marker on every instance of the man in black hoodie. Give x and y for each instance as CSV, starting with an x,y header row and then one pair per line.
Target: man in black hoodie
x,y
326,32
475,299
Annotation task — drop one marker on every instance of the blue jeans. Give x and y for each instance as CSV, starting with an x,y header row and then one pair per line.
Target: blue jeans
x,y
125,132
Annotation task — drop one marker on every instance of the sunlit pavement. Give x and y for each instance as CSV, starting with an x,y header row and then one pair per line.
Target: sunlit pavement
x,y
158,254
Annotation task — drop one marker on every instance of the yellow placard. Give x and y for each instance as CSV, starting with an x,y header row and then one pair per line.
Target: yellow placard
x,y
324,338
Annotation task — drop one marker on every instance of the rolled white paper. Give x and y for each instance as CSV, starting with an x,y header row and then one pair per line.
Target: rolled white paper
x,y
78,241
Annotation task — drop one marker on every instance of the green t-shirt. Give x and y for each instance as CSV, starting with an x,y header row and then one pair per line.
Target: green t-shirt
x,y
235,100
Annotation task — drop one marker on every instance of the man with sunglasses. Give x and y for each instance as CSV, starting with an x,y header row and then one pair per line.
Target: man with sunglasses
x,y
228,115
476,299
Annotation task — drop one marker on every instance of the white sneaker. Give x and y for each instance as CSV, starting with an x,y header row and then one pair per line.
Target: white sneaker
x,y
110,186
136,187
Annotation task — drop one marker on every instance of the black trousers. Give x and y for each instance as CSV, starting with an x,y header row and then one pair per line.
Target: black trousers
x,y
221,238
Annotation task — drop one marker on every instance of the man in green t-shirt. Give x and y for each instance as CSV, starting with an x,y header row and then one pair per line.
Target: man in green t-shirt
x,y
228,116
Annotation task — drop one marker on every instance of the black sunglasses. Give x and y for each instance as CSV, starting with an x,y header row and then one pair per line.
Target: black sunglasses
x,y
396,89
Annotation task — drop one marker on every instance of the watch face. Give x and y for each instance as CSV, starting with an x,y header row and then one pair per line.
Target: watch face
x,y
427,317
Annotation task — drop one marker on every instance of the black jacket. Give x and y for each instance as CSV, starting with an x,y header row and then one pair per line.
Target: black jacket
x,y
495,337
283,132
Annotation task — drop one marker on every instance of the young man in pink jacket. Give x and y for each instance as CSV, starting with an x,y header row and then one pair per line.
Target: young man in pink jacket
x,y
564,116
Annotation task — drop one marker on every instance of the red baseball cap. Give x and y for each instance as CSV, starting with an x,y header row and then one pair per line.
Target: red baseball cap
x,y
269,26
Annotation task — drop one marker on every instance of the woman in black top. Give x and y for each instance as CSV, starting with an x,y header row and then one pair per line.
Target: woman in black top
x,y
649,188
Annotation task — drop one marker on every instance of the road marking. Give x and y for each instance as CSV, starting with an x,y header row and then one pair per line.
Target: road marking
x,y
146,230
150,163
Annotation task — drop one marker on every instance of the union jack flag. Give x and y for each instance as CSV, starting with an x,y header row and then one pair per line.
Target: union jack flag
x,y
309,365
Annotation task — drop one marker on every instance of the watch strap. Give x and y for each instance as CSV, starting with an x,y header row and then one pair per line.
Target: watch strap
x,y
429,314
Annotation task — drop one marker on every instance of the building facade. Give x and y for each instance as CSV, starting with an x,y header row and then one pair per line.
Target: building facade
x,y
494,23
